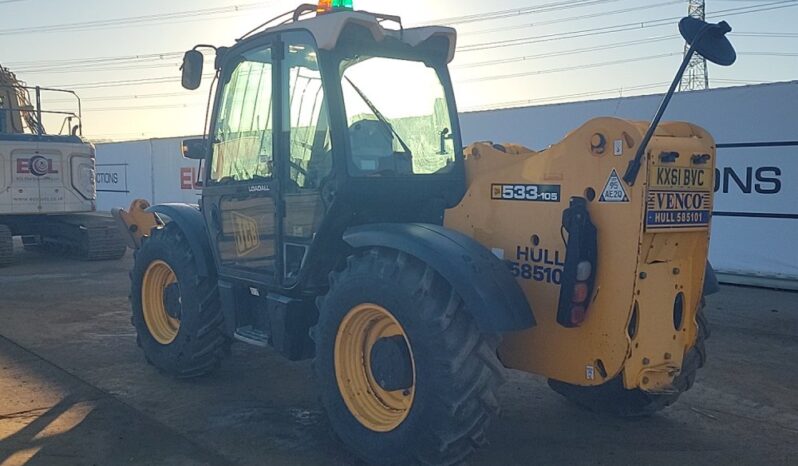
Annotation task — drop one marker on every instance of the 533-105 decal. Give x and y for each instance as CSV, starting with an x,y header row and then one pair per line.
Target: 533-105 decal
x,y
526,192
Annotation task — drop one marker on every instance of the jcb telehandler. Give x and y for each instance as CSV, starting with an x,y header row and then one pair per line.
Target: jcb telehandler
x,y
341,219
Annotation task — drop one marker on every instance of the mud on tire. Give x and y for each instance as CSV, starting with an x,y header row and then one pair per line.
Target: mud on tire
x,y
199,346
457,373
614,399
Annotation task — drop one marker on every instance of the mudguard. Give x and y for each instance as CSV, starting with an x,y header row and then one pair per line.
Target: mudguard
x,y
711,285
191,223
486,285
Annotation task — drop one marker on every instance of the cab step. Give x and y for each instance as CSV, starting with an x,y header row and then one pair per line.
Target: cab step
x,y
252,336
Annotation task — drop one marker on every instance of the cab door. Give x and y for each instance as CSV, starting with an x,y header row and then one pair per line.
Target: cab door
x,y
241,195
306,151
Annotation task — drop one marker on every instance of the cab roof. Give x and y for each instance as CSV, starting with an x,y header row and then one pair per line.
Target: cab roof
x,y
327,28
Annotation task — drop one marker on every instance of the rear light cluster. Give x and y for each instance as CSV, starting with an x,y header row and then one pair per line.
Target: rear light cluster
x,y
580,263
581,292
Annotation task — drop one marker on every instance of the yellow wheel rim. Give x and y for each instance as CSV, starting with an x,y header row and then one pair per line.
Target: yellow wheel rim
x,y
376,409
161,325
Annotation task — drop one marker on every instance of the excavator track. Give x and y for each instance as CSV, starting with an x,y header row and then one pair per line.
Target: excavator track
x,y
88,237
100,243
6,246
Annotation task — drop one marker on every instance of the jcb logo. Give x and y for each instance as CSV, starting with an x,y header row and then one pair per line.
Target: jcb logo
x,y
246,233
36,165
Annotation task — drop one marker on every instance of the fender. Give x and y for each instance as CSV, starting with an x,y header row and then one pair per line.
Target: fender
x,y
711,285
189,219
485,283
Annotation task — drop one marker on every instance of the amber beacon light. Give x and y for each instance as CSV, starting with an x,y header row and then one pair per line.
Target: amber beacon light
x,y
327,6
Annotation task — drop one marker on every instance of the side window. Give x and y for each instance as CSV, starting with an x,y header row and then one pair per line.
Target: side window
x,y
242,147
310,158
306,125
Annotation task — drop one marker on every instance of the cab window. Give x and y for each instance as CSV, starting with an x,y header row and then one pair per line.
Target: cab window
x,y
242,146
310,159
398,118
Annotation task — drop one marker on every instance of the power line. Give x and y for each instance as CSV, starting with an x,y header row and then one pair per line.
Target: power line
x,y
50,64
124,82
101,68
142,107
570,68
515,12
117,22
133,82
603,47
571,18
765,34
518,103
769,54
77,61
619,28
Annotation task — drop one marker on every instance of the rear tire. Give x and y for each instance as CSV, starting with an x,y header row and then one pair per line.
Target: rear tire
x,y
614,399
456,373
187,342
6,246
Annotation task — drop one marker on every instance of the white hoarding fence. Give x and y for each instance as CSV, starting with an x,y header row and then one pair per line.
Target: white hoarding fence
x,y
755,219
154,170
755,222
111,178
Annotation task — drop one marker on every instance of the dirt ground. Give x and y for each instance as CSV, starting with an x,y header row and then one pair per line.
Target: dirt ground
x,y
74,390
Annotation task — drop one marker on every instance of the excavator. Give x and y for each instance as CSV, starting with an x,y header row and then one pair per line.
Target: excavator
x,y
47,181
342,219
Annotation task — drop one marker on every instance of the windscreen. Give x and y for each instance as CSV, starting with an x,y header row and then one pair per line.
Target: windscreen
x,y
398,118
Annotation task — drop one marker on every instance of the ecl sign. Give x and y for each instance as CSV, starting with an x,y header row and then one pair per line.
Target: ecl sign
x,y
36,165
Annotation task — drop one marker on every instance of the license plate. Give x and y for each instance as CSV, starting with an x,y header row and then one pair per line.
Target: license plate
x,y
681,178
678,198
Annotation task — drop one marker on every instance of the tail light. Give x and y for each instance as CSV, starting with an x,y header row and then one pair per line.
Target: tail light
x,y
580,264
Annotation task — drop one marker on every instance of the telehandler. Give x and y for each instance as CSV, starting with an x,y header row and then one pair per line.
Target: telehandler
x,y
342,219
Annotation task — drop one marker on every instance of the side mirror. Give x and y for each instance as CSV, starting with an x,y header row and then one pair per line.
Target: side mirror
x,y
709,40
194,149
192,69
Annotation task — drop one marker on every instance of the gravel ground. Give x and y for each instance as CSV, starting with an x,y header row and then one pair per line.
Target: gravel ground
x,y
74,389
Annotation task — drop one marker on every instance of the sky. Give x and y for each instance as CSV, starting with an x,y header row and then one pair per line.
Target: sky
x,y
122,57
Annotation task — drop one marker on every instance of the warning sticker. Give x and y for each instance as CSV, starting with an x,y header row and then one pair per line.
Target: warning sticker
x,y
613,190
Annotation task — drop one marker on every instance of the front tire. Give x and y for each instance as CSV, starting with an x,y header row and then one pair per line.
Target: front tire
x,y
614,399
435,393
177,314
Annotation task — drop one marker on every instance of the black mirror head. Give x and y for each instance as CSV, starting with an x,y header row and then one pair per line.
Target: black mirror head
x,y
194,149
192,69
712,44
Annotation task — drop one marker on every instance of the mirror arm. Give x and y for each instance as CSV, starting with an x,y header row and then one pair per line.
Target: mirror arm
x,y
634,165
